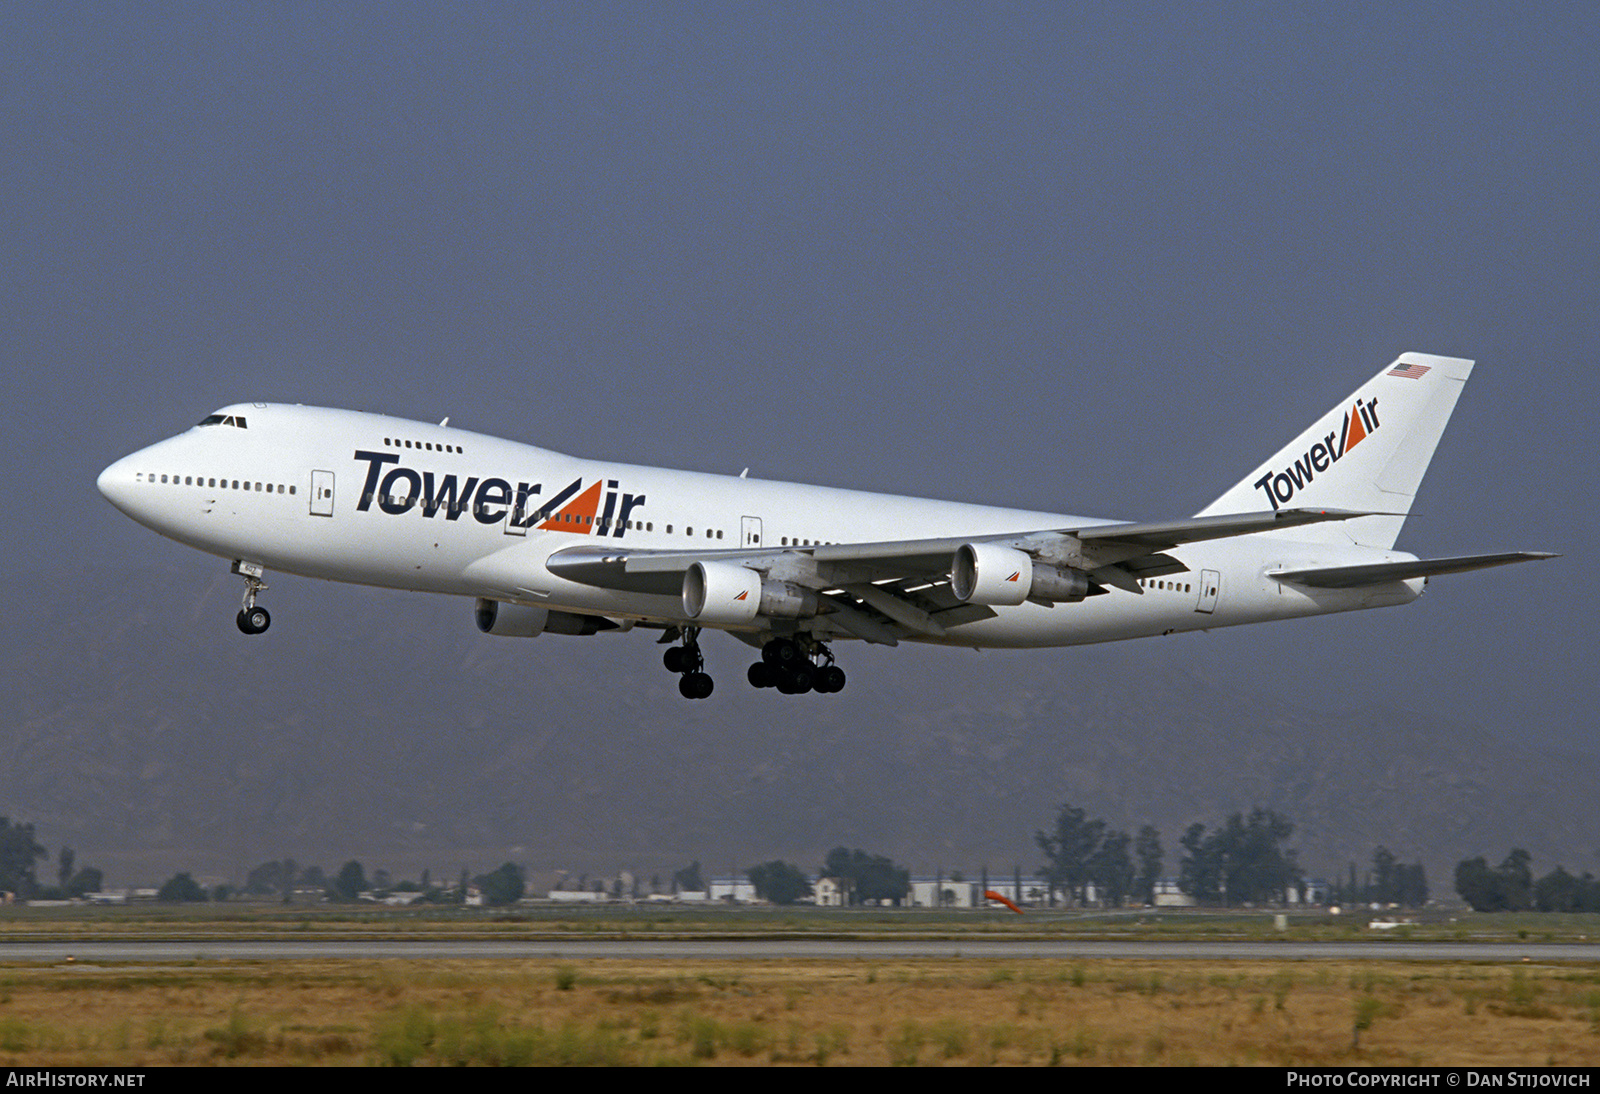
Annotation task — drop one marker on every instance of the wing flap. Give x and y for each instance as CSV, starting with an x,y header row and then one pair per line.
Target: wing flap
x,y
1378,573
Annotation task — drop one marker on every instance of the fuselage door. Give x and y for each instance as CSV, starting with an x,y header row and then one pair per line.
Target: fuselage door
x,y
322,493
517,519
750,531
1210,586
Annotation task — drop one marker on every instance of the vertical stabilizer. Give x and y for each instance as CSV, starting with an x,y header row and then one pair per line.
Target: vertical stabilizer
x,y
1369,453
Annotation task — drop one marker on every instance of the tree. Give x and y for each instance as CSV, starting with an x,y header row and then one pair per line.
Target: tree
x,y
1068,849
1385,884
85,881
502,886
1147,851
1242,862
1557,891
1198,873
1261,868
349,883
1411,886
1518,874
1478,885
867,877
1506,888
779,882
688,879
1111,869
181,889
272,878
18,853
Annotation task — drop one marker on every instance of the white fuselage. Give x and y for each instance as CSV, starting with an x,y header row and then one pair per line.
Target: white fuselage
x,y
374,500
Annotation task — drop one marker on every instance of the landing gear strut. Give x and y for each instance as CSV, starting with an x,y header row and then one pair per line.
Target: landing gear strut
x,y
687,661
787,664
252,619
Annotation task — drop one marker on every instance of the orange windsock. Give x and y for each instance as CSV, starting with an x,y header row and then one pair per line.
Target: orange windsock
x,y
990,894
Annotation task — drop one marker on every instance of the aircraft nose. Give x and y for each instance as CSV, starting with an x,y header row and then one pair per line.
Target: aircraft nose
x,y
116,483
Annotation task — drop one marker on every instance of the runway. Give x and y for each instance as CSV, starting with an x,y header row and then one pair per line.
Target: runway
x,y
788,950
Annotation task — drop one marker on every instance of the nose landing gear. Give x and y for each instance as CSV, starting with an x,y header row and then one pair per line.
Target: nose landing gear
x,y
252,619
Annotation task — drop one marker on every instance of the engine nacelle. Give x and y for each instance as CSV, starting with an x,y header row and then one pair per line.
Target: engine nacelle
x,y
524,621
1063,585
727,594
509,620
721,593
986,573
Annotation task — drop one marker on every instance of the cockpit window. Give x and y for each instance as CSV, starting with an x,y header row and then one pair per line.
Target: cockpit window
x,y
224,419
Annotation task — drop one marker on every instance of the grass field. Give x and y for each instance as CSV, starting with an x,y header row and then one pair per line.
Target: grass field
x,y
789,1012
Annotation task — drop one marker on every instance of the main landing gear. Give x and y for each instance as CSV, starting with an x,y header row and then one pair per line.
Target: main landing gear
x,y
252,619
792,665
786,665
686,660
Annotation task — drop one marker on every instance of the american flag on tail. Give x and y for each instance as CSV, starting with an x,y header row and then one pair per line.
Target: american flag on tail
x,y
1410,372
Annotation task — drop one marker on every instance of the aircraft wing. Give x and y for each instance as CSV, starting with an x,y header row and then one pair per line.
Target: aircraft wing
x,y
1349,577
657,571
894,589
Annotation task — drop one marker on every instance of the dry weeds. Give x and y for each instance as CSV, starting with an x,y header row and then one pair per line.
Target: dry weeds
x,y
929,1012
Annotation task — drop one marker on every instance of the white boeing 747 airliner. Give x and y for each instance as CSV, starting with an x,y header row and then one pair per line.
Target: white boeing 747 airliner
x,y
549,543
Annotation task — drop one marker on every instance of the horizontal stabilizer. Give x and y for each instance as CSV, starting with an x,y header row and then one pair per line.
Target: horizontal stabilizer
x,y
1378,573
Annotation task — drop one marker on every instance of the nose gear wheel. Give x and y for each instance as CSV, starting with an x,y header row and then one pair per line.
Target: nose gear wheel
x,y
251,619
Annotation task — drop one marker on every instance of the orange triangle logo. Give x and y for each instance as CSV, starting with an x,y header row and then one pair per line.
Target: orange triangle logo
x,y
578,516
1358,432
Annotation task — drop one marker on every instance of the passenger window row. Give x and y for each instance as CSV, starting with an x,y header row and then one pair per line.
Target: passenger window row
x,y
220,484
426,446
689,531
1170,586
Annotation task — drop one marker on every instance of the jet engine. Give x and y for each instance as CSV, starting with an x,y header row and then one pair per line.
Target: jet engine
x,y
523,621
727,594
986,573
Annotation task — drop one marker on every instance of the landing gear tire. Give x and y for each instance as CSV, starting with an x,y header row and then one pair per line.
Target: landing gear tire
x,y
254,620
795,681
687,661
781,652
251,619
695,685
796,667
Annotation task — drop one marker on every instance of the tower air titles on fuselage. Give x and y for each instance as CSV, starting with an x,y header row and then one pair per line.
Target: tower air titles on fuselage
x,y
595,510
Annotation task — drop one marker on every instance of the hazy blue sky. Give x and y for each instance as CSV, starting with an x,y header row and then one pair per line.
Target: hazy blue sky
x,y
1097,258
